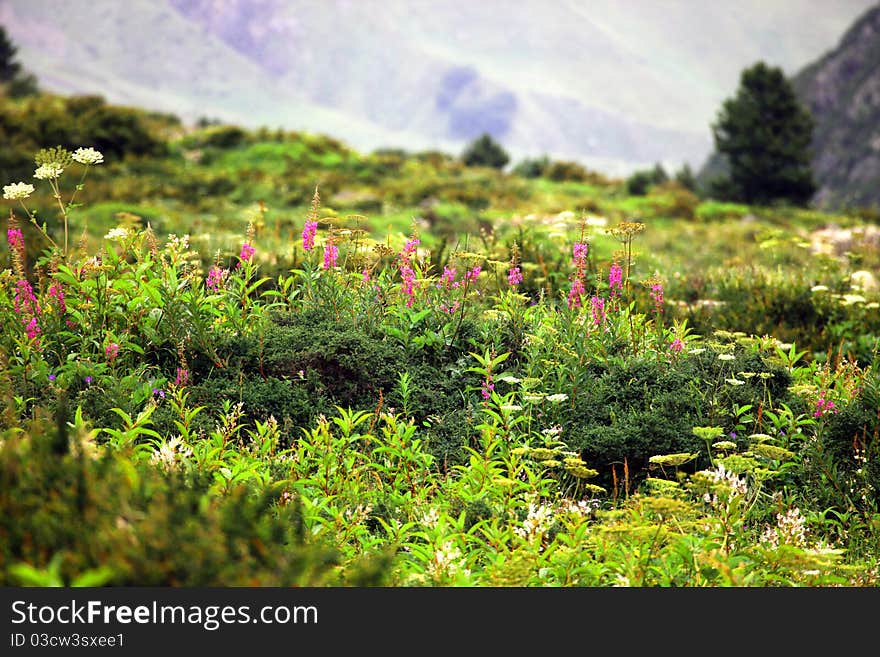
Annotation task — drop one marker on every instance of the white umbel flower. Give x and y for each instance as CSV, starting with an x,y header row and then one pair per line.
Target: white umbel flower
x,y
88,156
48,171
17,191
116,234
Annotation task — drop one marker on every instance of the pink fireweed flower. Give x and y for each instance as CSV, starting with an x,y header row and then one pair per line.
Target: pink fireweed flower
x,y
24,301
488,387
579,254
575,294
32,328
615,279
514,277
331,254
182,377
57,292
409,277
676,345
365,276
247,252
824,407
216,278
15,239
472,274
111,350
657,296
308,235
409,249
597,306
447,280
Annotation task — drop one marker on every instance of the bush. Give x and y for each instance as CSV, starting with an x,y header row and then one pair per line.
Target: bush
x,y
643,408
485,152
532,167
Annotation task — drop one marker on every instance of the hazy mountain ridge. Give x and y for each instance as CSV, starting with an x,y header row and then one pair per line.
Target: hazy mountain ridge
x,y
601,83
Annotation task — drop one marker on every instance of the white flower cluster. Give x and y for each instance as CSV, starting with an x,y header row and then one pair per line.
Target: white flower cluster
x,y
431,518
17,191
116,234
48,171
736,486
170,455
88,156
447,560
537,522
790,529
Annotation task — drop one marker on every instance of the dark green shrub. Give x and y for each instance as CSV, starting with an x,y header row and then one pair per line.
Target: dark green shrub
x,y
641,408
532,167
485,152
307,364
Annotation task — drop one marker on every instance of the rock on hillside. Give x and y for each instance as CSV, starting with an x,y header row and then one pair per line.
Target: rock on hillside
x,y
842,90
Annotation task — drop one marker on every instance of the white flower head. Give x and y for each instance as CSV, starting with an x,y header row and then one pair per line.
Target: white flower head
x,y
88,156
116,234
17,191
48,171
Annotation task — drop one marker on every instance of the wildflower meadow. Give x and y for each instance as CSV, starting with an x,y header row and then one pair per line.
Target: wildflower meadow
x,y
569,392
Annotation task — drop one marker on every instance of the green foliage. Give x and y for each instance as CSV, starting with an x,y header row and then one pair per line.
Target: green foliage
x,y
765,134
686,178
485,152
102,520
532,167
639,182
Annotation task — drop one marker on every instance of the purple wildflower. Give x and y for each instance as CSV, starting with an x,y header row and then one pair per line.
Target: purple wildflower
x,y
216,277
308,235
597,305
15,239
575,294
514,276
111,351
657,296
247,252
579,254
615,279
331,253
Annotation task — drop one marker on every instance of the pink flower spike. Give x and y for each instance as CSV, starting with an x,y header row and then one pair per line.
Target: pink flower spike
x,y
15,239
514,277
111,350
308,235
615,279
331,253
247,252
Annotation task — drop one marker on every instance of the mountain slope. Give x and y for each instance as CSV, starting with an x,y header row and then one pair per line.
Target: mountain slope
x,y
842,90
601,82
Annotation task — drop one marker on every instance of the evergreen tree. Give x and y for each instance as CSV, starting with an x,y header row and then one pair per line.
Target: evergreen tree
x,y
9,67
685,177
485,152
765,134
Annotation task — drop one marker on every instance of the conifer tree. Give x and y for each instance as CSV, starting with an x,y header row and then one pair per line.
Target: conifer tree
x,y
765,134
